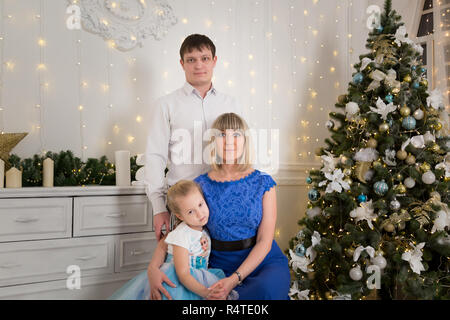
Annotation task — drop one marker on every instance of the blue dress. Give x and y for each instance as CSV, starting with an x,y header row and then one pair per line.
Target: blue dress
x,y
235,214
198,244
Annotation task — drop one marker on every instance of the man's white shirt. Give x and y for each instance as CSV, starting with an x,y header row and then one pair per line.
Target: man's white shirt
x,y
177,126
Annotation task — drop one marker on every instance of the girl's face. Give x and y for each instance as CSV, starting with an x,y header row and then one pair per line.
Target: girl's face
x,y
193,210
230,145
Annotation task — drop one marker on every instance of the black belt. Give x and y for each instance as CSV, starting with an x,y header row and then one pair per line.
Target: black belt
x,y
233,245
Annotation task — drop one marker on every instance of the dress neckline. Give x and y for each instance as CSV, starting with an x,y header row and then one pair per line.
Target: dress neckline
x,y
232,181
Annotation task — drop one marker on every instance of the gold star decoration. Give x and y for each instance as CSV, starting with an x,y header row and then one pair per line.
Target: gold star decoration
x,y
7,142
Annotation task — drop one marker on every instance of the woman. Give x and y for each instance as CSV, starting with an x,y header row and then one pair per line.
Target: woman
x,y
242,203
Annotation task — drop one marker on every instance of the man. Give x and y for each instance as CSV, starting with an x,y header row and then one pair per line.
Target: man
x,y
190,109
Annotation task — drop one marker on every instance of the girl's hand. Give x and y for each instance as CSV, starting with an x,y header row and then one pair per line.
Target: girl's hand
x,y
156,278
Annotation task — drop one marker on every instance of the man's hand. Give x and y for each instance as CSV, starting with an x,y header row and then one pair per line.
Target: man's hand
x,y
159,220
156,278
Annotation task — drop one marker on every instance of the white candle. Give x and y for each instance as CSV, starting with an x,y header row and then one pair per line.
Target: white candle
x,y
14,178
48,172
123,168
2,174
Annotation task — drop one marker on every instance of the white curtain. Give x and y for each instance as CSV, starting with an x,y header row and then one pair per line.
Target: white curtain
x,y
441,68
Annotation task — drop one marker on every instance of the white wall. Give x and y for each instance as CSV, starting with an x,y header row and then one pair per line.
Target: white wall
x,y
301,51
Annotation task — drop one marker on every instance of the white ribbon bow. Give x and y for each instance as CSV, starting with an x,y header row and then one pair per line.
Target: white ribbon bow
x,y
370,251
418,142
389,79
366,61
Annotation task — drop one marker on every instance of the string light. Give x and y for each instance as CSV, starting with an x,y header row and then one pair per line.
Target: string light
x,y
42,84
2,72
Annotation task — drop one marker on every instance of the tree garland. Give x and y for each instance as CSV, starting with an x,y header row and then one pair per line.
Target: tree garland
x,y
69,170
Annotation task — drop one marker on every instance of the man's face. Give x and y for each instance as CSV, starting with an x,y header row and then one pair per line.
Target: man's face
x,y
198,66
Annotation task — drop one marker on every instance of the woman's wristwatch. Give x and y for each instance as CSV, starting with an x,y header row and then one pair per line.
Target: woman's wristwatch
x,y
239,277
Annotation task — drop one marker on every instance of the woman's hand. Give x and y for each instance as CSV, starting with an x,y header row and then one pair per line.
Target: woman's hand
x,y
156,278
227,284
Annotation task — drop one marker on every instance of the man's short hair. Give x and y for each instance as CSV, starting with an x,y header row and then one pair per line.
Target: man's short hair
x,y
199,42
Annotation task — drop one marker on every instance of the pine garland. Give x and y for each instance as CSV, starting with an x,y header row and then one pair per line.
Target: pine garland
x,y
69,170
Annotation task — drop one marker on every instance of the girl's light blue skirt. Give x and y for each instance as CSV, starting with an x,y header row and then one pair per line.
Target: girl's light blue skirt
x,y
138,288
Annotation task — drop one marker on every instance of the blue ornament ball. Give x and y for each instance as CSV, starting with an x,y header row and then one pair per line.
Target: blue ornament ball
x,y
380,188
423,70
358,78
414,68
313,195
362,198
416,85
380,29
308,180
409,123
389,98
300,250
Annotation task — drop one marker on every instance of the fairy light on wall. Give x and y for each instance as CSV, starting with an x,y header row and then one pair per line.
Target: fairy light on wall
x,y
2,70
41,68
269,59
80,85
109,105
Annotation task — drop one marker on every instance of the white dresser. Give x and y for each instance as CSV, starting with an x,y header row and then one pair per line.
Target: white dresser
x,y
104,234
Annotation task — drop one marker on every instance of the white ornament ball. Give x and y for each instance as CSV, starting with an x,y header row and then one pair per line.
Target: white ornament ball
x,y
351,108
428,177
418,114
428,137
355,273
380,261
409,183
435,195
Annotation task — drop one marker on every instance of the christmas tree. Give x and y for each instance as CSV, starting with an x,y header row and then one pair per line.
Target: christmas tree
x,y
377,222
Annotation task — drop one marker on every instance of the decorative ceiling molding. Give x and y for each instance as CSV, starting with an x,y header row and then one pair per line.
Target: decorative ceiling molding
x,y
126,22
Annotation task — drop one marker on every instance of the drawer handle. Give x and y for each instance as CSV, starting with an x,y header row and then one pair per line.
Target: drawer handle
x,y
138,252
85,258
9,265
25,220
116,215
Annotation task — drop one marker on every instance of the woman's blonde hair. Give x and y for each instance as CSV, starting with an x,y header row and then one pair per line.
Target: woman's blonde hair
x,y
232,121
180,189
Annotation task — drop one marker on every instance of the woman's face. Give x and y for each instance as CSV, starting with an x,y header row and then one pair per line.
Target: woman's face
x,y
230,145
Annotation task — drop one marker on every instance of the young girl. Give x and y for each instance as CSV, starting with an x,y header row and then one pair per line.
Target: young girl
x,y
188,249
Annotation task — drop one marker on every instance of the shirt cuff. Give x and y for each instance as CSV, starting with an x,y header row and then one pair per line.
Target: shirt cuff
x,y
158,205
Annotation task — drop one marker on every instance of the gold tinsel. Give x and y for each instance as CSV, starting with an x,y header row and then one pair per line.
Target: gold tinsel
x,y
7,142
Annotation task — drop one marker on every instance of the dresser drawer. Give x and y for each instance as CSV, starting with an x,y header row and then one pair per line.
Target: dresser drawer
x,y
35,261
134,251
111,215
35,218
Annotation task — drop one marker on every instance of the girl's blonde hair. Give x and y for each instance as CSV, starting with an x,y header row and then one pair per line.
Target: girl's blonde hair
x,y
232,121
180,189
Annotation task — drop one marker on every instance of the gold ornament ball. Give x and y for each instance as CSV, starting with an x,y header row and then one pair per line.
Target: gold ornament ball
x,y
400,188
349,252
348,180
401,154
425,167
438,126
376,164
372,143
407,78
389,227
342,98
383,127
424,82
405,111
395,90
435,147
410,159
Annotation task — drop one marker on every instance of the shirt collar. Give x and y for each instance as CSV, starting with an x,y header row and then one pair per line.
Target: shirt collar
x,y
188,89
